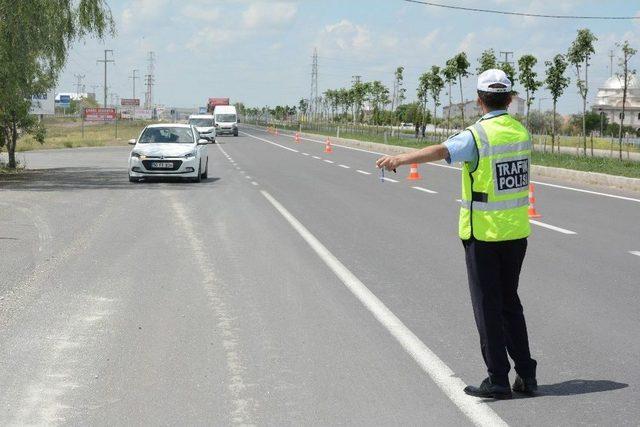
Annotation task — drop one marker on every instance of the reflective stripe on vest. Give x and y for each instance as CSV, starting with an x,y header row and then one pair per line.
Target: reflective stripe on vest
x,y
496,206
495,193
487,150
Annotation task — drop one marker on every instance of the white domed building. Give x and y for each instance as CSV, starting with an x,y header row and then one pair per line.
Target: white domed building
x,y
609,101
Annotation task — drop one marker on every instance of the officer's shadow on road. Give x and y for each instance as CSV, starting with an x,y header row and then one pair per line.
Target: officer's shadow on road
x,y
61,179
575,387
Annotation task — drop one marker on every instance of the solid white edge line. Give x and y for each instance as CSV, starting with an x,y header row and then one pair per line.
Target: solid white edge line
x,y
552,227
345,166
363,172
389,179
305,154
475,409
636,253
564,187
269,142
425,190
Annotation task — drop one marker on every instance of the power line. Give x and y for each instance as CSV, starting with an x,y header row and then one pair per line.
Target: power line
x,y
532,15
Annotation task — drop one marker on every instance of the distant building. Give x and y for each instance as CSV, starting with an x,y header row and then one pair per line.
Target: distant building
x,y
609,101
471,108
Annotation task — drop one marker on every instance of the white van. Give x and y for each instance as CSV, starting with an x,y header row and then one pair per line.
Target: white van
x,y
226,120
205,125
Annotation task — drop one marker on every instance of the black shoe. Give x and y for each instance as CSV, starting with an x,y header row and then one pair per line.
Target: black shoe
x,y
488,390
528,386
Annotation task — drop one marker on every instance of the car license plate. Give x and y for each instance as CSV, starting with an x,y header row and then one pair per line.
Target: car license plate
x,y
162,165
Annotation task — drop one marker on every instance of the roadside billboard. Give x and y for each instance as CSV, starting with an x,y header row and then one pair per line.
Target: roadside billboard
x,y
130,102
143,114
43,103
99,114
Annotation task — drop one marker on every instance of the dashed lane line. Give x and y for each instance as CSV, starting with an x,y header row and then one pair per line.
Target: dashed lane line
x,y
389,179
478,412
270,142
440,165
328,161
305,154
552,227
426,190
345,166
363,172
316,157
636,253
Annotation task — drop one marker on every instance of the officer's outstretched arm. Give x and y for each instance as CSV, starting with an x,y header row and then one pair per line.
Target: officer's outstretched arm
x,y
432,153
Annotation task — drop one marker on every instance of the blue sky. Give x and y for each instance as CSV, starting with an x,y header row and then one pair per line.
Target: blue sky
x,y
259,52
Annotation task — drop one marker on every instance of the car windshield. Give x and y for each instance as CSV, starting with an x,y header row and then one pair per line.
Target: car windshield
x,y
225,118
178,135
201,122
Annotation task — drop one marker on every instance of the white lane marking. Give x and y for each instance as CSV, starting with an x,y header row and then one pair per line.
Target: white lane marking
x,y
363,172
344,166
459,200
254,183
425,190
305,154
269,142
440,165
478,412
389,179
552,227
316,157
328,161
248,177
636,253
597,193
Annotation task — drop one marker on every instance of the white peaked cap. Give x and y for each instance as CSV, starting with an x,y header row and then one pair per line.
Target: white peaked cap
x,y
494,77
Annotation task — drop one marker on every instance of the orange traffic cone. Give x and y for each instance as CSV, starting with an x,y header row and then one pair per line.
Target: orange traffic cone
x,y
297,138
414,175
327,146
532,201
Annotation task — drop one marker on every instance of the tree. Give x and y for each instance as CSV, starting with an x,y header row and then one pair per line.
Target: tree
x,y
627,53
303,106
35,37
461,65
449,75
377,95
398,90
509,71
579,55
424,83
556,83
357,96
528,80
487,61
435,88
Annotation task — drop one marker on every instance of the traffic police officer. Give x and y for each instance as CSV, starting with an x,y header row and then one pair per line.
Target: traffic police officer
x,y
493,226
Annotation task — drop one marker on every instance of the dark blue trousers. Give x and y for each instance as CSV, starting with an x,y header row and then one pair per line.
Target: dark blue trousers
x,y
493,269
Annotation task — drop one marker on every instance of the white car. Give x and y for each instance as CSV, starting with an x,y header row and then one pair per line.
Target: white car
x,y
169,150
205,125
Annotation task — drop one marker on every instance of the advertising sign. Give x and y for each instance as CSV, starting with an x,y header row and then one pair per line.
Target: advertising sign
x,y
130,102
99,114
143,114
43,104
65,101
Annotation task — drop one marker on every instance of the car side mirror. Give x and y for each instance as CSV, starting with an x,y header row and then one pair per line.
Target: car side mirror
x,y
202,141
132,141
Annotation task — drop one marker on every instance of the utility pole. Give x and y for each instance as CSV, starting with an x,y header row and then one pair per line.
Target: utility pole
x,y
79,78
106,61
313,96
506,57
149,81
133,78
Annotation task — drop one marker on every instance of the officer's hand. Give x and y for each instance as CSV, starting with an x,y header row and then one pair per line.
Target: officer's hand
x,y
390,163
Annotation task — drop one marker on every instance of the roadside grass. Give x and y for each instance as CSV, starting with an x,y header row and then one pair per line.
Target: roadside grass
x,y
68,133
628,168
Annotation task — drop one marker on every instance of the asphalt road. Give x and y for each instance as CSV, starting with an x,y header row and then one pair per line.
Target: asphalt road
x,y
294,287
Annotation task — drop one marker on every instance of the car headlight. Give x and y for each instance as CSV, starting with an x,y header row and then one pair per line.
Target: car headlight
x,y
189,155
134,154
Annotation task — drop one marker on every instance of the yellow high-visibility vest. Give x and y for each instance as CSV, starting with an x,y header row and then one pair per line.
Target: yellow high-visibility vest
x,y
495,190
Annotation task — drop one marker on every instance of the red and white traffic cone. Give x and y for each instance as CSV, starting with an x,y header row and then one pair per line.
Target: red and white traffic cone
x,y
414,175
532,201
327,146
